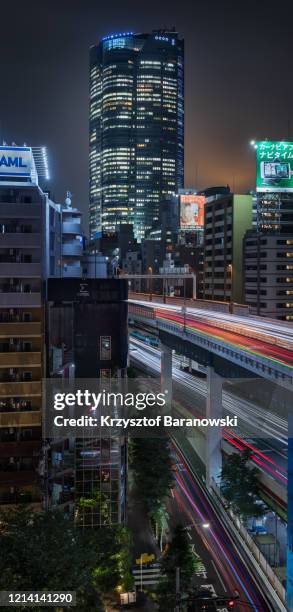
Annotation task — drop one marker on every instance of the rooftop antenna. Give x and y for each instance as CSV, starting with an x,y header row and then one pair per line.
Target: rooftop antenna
x,y
68,199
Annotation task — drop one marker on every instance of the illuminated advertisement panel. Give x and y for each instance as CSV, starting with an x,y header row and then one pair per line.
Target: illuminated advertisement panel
x,y
274,166
191,211
15,161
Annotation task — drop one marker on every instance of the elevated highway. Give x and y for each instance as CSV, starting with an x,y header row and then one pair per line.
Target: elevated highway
x,y
231,347
230,343
266,438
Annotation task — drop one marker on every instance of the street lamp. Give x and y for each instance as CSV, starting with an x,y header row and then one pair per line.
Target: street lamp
x,y
203,524
230,268
150,270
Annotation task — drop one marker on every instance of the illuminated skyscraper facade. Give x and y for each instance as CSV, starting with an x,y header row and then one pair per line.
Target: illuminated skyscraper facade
x,y
136,128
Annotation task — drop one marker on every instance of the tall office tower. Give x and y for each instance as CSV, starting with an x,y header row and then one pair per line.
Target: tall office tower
x,y
227,217
136,128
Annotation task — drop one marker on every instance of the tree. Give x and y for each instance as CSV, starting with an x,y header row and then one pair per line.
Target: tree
x,y
152,469
179,555
240,486
46,552
160,519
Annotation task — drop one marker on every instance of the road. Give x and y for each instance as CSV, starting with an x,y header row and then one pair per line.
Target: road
x,y
263,432
259,337
226,570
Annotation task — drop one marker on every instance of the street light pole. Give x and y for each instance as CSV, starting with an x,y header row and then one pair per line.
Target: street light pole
x,y
151,283
230,268
184,304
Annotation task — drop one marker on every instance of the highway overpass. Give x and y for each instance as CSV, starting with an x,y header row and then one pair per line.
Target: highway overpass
x,y
233,345
230,346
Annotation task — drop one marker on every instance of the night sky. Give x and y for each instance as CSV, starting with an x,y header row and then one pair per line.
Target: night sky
x,y
238,80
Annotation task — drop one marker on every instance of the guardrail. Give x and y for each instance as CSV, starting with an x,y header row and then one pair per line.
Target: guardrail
x,y
229,307
253,548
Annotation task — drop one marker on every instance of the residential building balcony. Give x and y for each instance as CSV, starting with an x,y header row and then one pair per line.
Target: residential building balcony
x,y
72,271
21,389
31,270
71,227
20,497
21,419
15,240
23,448
20,299
21,477
21,359
72,249
21,330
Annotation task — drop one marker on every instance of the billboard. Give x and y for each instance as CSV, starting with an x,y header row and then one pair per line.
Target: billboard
x,y
274,166
191,211
16,161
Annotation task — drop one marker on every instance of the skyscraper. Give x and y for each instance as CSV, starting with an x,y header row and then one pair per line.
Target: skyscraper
x,y
136,128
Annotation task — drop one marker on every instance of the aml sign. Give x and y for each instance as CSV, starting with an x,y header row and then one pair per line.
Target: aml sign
x,y
15,161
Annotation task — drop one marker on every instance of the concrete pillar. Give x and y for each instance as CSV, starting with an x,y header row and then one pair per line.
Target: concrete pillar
x,y
213,434
166,376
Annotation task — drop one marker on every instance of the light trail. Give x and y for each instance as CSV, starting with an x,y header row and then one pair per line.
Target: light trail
x,y
221,548
267,330
251,415
272,352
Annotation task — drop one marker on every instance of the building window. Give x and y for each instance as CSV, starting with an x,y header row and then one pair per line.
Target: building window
x,y
105,373
105,347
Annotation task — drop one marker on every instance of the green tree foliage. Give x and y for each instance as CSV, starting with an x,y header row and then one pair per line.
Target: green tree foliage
x,y
181,555
240,487
46,552
152,470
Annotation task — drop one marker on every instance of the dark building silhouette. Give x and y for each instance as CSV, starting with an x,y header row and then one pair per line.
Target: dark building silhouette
x,y
87,339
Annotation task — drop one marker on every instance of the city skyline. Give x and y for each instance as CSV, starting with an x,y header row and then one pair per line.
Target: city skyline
x,y
165,481
231,55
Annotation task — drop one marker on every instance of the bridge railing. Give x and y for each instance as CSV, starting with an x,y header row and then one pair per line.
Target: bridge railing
x,y
253,548
240,309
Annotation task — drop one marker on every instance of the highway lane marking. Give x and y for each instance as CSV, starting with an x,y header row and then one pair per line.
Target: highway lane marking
x,y
219,576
